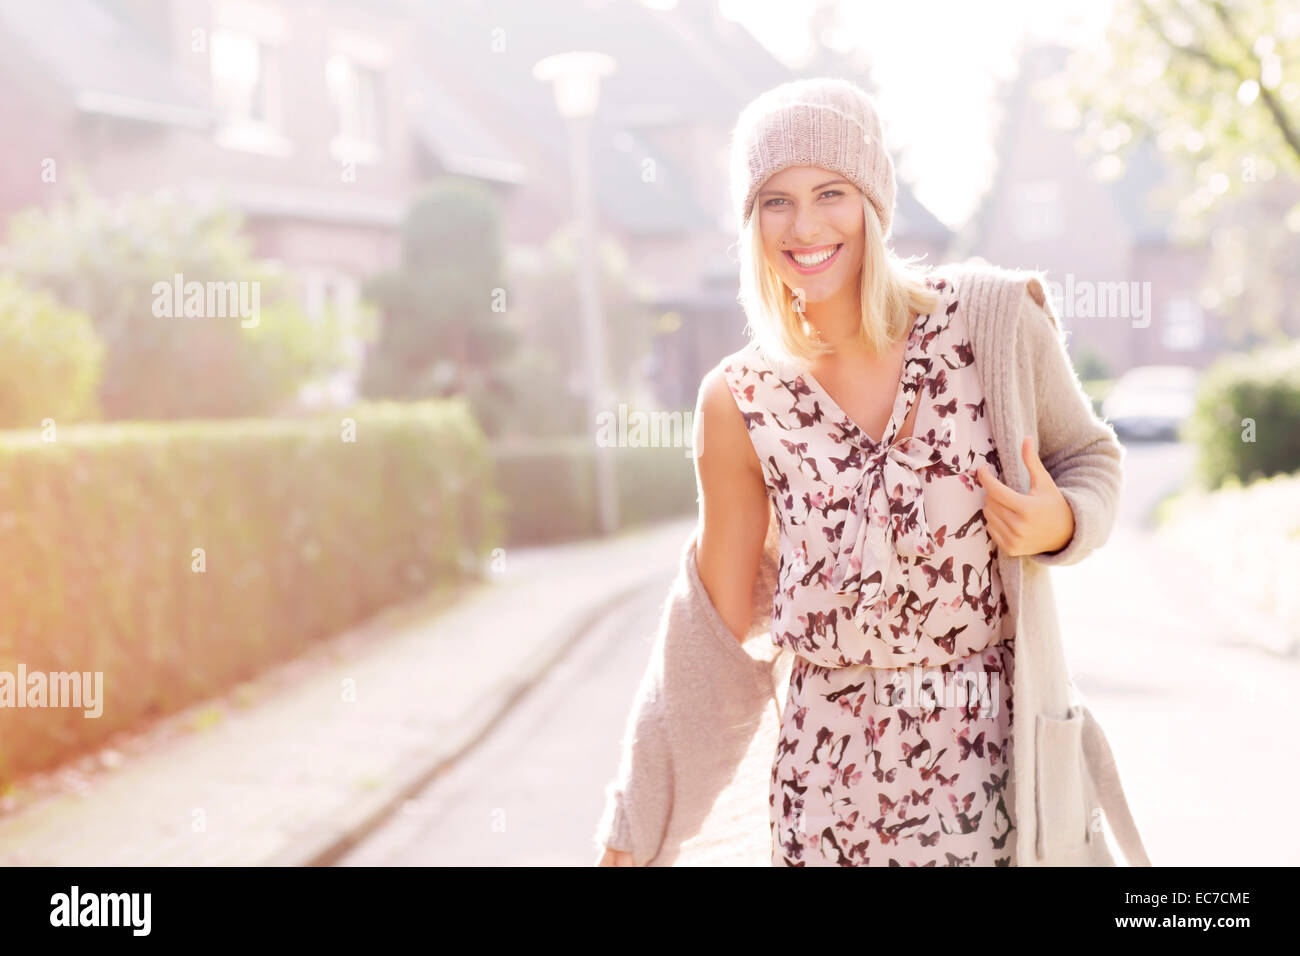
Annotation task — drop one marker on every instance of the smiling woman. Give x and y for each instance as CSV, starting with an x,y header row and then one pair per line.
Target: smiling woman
x,y
817,276
852,343
892,552
809,262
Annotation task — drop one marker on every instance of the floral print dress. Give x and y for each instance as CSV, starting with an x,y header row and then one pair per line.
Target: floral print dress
x,y
895,738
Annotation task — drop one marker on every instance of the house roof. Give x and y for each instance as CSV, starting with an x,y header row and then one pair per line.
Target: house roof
x,y
682,67
1133,192
685,66
914,220
103,63
462,144
673,67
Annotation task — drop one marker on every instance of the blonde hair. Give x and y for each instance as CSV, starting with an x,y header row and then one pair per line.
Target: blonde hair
x,y
892,289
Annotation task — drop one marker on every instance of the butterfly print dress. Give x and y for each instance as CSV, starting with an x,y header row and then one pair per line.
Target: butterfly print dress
x,y
895,737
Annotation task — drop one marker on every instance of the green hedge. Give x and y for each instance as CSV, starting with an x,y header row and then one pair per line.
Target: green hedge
x,y
1259,390
304,535
549,487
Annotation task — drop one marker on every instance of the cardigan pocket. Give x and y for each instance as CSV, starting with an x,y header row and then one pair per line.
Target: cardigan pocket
x,y
1058,772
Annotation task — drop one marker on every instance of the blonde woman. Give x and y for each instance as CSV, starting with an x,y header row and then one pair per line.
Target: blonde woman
x,y
857,419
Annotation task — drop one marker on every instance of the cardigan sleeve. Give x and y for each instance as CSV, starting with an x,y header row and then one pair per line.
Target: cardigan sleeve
x,y
1079,450
613,831
638,800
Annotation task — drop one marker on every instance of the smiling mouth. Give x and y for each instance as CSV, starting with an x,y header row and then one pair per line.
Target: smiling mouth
x,y
817,262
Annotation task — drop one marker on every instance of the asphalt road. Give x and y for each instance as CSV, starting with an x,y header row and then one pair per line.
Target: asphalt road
x,y
1200,726
530,794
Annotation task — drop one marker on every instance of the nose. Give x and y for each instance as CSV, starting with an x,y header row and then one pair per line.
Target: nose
x,y
807,226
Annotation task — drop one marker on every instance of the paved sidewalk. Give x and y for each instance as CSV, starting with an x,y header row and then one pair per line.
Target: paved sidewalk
x,y
301,772
1199,718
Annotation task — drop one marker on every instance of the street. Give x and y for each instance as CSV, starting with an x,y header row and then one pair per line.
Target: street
x,y
530,795
1199,723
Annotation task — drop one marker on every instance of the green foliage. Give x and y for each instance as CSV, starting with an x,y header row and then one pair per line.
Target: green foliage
x,y
554,359
304,534
443,329
1212,85
114,261
1091,364
50,359
1246,424
1207,80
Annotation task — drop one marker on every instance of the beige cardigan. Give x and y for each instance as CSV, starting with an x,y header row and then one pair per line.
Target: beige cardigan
x,y
702,695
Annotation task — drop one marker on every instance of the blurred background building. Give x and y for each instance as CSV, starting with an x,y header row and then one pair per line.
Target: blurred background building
x,y
398,185
319,121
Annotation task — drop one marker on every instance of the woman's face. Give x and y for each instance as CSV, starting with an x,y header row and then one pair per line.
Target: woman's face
x,y
812,212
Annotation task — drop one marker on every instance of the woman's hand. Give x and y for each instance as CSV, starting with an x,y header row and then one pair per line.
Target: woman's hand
x,y
1032,523
616,858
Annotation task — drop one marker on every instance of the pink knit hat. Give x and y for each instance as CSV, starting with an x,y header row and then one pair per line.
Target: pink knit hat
x,y
816,122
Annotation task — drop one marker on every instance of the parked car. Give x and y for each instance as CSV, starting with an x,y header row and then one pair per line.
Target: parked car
x,y
1151,401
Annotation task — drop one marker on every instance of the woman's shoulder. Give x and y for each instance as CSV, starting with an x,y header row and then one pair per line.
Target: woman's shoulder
x,y
760,385
751,364
997,294
976,274
736,373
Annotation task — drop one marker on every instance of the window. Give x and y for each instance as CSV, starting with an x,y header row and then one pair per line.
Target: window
x,y
1184,325
246,92
356,95
1036,211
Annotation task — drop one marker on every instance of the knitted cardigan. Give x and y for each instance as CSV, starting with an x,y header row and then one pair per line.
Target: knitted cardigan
x,y
702,694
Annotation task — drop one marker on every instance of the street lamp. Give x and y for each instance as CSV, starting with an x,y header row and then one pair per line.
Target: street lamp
x,y
575,79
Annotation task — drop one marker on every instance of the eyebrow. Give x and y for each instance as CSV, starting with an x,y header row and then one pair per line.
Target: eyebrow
x,y
833,182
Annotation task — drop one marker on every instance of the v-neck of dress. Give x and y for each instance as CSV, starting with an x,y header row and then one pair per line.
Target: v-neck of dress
x,y
895,422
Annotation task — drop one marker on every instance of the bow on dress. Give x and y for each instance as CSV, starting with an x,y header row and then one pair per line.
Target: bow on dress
x,y
886,518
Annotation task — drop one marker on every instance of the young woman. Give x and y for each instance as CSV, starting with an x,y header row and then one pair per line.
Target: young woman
x,y
857,416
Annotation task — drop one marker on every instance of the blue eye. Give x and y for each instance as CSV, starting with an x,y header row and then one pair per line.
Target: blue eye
x,y
829,192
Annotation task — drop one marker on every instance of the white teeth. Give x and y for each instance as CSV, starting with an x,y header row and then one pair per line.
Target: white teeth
x,y
814,259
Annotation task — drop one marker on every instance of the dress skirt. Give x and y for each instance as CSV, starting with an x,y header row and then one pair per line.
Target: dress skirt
x,y
896,767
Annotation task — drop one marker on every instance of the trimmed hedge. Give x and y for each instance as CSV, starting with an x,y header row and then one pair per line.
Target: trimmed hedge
x,y
549,487
304,534
1246,424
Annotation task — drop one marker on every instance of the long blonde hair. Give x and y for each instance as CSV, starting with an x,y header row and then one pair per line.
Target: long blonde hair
x,y
892,289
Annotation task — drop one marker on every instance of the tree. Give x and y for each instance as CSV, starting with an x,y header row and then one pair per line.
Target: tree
x,y
443,327
1216,85
109,259
553,374
50,359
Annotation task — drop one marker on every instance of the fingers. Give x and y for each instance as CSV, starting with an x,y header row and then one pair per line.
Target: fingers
x,y
615,858
1002,531
1000,494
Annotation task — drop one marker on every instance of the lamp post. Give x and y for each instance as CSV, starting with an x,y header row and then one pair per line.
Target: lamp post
x,y
576,82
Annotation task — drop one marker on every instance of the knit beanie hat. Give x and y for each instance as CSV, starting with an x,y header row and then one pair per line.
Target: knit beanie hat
x,y
822,122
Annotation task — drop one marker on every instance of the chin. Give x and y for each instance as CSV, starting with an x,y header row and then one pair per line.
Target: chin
x,y
823,290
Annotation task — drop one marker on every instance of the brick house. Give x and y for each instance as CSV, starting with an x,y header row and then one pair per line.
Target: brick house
x,y
1048,210
321,120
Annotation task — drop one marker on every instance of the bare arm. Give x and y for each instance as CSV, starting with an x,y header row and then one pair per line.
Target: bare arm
x,y
729,548
734,506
